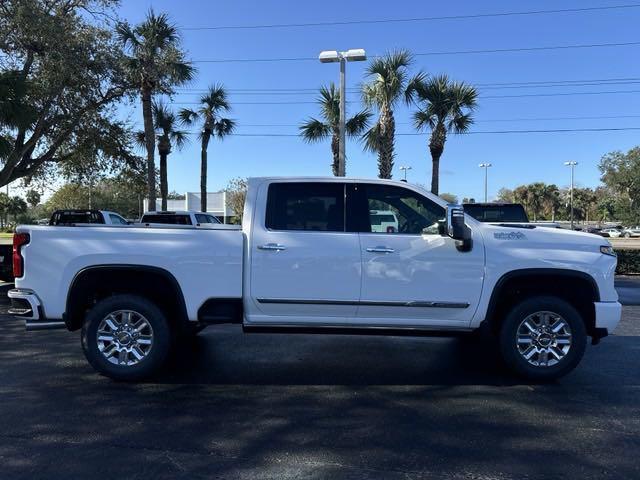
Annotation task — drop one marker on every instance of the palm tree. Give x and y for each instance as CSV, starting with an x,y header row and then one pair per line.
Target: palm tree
x,y
165,123
213,104
388,81
315,130
156,64
444,106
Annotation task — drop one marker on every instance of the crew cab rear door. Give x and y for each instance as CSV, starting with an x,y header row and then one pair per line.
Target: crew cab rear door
x,y
305,268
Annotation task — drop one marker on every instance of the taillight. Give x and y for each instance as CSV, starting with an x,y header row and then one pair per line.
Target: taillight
x,y
19,241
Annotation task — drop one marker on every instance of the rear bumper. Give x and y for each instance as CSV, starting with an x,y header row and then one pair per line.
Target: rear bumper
x,y
25,304
607,315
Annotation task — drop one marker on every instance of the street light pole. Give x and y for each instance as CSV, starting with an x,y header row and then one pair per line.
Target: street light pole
x,y
571,164
332,56
343,107
405,168
486,174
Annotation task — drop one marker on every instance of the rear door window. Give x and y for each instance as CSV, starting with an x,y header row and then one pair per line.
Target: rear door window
x,y
309,206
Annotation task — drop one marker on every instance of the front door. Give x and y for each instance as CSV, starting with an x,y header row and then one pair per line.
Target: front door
x,y
305,269
411,273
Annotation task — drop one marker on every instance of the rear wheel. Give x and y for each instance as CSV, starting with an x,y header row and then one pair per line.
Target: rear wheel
x,y
543,338
627,235
126,337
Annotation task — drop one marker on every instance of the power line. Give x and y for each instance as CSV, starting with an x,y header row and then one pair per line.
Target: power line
x,y
559,94
482,96
414,19
356,90
478,84
456,52
489,120
483,132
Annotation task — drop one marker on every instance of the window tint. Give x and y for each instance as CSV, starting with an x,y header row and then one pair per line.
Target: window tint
x,y
306,206
213,219
117,219
398,210
167,219
202,218
69,218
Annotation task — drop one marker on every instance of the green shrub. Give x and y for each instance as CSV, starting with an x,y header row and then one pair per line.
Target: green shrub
x,y
628,262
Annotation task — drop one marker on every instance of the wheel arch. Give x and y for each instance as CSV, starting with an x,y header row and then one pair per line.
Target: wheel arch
x,y
96,282
578,288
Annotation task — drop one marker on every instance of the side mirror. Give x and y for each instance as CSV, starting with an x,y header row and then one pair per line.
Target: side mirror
x,y
457,229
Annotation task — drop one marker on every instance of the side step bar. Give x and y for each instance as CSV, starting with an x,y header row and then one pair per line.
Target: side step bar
x,y
33,325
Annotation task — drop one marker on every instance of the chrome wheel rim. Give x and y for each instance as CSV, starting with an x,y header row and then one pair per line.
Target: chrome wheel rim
x,y
125,337
544,339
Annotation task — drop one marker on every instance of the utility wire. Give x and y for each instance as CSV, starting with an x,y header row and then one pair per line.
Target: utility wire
x,y
414,19
421,54
524,95
412,134
477,84
356,91
489,120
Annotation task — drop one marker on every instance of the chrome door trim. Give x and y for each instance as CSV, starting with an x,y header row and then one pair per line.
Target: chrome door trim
x,y
364,303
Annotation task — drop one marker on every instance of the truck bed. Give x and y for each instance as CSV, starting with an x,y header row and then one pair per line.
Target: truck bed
x,y
202,260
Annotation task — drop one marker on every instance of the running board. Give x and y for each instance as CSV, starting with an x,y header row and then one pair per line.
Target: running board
x,y
33,325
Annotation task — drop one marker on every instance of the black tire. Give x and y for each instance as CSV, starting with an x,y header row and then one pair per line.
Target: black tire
x,y
161,337
509,337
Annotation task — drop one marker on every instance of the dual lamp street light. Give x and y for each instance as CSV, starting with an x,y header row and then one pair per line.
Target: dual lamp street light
x,y
486,173
333,56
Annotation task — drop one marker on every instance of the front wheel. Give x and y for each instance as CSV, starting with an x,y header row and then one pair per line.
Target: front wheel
x,y
126,337
627,235
543,338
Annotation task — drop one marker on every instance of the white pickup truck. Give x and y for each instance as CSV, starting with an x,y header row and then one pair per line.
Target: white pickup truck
x,y
309,259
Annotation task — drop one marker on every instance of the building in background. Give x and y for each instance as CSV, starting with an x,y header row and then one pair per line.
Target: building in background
x,y
216,205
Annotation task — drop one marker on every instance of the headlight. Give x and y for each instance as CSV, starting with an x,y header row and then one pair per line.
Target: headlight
x,y
607,250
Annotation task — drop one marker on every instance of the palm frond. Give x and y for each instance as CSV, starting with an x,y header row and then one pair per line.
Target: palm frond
x,y
140,140
414,85
224,127
358,123
314,130
388,78
216,99
179,138
372,139
187,116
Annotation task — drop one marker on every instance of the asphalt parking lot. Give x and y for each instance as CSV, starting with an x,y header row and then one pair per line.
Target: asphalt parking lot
x,y
273,406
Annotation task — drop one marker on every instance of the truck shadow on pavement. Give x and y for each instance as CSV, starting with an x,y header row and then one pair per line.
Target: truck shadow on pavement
x,y
272,406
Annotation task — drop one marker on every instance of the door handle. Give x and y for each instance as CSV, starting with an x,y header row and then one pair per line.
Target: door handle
x,y
380,250
272,246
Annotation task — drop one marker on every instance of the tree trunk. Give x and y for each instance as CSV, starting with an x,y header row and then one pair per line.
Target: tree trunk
x,y
387,139
164,187
435,170
335,150
150,142
436,147
203,171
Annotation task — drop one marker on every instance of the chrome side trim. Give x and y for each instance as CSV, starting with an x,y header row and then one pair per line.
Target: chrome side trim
x,y
364,303
356,326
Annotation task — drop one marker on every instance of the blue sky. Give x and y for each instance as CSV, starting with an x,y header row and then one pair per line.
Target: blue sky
x,y
516,158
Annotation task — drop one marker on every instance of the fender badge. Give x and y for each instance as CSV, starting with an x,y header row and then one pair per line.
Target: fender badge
x,y
509,235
